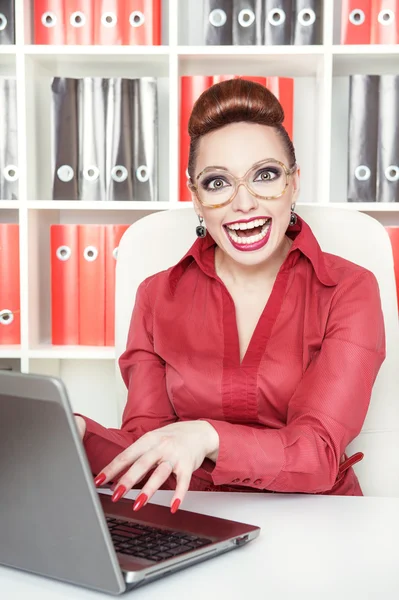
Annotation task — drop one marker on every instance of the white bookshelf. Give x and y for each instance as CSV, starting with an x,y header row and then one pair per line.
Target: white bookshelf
x,y
320,136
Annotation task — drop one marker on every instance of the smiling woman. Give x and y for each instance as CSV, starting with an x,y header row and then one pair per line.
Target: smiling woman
x,y
250,363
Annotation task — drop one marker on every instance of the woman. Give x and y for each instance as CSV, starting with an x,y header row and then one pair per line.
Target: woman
x,y
250,363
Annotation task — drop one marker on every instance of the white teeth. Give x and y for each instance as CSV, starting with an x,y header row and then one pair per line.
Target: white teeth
x,y
250,225
253,238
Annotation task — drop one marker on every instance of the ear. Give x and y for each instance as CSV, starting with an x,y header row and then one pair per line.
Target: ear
x,y
296,183
196,204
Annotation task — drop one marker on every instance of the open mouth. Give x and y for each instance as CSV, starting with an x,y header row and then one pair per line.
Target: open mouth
x,y
248,233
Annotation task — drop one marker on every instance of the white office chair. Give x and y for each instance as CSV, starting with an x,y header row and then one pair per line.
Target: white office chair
x,y
159,240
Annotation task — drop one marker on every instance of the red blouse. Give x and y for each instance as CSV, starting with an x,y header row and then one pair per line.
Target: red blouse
x,y
286,414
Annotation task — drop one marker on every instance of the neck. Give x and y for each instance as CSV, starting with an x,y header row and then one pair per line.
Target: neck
x,y
249,274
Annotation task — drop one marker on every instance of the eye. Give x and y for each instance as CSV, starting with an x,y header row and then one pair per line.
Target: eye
x,y
268,174
214,184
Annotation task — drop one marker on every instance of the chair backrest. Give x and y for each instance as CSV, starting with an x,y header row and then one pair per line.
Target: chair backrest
x,y
159,240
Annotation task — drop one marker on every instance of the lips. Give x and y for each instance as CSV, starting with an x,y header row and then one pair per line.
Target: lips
x,y
249,235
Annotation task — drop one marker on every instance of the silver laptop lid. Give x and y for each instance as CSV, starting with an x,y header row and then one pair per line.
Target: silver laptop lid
x,y
48,510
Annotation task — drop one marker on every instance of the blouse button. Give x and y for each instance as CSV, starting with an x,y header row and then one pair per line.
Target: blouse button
x,y
247,480
235,481
257,481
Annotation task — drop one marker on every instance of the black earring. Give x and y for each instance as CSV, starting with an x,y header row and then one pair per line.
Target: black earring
x,y
294,218
200,230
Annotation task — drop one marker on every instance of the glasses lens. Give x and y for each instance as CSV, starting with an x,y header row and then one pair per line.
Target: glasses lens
x,y
267,179
216,186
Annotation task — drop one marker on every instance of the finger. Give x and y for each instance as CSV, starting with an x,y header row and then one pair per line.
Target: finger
x,y
138,470
124,460
160,475
183,483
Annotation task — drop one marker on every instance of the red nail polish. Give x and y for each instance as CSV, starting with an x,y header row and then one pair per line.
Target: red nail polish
x,y
117,495
140,501
100,479
175,506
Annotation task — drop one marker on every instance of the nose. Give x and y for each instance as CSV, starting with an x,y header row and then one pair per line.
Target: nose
x,y
244,201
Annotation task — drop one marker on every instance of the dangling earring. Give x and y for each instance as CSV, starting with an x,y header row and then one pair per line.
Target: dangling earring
x,y
201,229
294,218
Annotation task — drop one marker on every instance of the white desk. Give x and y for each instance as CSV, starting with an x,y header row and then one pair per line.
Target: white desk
x,y
310,547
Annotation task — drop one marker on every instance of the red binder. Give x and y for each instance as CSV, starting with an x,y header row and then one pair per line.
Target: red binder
x,y
385,22
191,88
254,78
108,22
48,22
113,235
142,22
91,285
219,78
79,21
393,233
356,22
10,322
64,284
283,89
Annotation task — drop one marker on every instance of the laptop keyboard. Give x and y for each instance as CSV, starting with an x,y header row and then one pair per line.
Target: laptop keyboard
x,y
151,543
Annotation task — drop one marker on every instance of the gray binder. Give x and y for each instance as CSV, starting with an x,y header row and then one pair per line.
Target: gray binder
x,y
247,22
8,140
388,140
7,22
278,17
65,138
92,108
363,138
119,159
218,22
145,138
308,22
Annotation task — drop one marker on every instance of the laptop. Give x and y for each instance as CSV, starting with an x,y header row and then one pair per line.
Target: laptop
x,y
55,523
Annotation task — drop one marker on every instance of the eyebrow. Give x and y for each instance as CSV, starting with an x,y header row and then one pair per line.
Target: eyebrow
x,y
227,169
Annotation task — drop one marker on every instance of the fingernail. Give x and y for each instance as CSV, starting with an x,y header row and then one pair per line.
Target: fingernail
x,y
117,495
175,506
140,501
101,477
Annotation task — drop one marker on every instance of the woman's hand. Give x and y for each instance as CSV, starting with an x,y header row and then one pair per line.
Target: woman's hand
x,y
178,448
81,425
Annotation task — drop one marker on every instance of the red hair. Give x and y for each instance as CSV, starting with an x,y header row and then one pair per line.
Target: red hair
x,y
234,101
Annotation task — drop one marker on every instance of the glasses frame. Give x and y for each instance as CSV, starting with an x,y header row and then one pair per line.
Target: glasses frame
x,y
242,181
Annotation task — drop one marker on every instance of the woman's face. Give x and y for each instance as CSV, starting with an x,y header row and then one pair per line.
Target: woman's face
x,y
237,147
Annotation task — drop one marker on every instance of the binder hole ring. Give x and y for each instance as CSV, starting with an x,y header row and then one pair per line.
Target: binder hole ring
x,y
357,17
392,173
276,17
115,253
386,17
362,173
142,173
91,173
119,173
63,253
109,19
217,17
49,19
3,21
136,18
246,17
10,173
65,173
78,19
90,253
6,317
306,17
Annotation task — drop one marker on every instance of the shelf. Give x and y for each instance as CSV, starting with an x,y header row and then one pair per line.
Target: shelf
x,y
9,204
385,207
73,352
10,351
251,60
77,205
373,59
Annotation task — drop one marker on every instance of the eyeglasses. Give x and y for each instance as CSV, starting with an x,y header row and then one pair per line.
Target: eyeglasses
x,y
267,179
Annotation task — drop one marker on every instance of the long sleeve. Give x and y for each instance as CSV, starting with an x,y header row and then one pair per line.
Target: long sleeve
x,y
148,405
327,409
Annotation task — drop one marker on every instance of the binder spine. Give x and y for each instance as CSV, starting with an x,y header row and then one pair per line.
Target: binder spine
x,y
7,22
308,22
363,136
278,22
9,172
247,22
388,140
218,22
